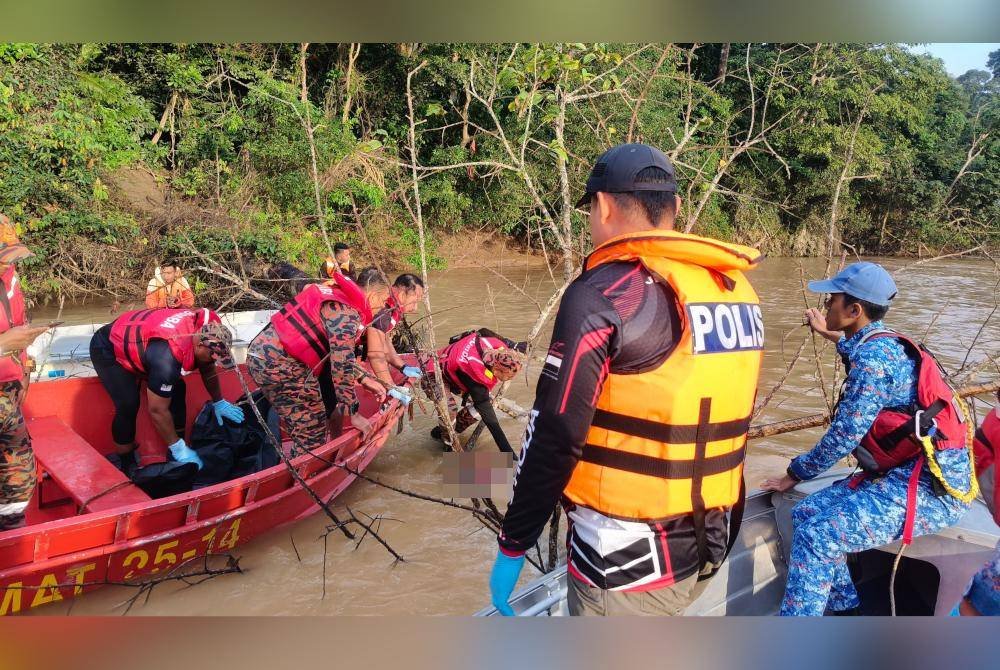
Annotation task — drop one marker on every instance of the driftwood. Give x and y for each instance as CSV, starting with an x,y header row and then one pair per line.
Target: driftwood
x,y
816,420
778,427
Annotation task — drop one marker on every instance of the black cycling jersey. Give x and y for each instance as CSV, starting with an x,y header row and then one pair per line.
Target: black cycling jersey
x,y
613,318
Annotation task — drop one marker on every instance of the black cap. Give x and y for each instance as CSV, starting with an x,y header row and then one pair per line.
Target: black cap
x,y
615,171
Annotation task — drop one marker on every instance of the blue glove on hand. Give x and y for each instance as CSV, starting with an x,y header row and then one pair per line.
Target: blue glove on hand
x,y
401,395
227,410
184,454
506,570
412,372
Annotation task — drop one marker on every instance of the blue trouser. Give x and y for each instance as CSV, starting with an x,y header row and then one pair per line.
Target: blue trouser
x,y
838,520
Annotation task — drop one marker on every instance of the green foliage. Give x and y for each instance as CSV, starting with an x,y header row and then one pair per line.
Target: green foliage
x,y
759,152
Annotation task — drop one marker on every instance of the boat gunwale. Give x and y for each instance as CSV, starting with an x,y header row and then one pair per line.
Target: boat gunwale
x,y
186,499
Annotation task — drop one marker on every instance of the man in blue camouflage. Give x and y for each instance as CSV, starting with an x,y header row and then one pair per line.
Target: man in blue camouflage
x,y
849,516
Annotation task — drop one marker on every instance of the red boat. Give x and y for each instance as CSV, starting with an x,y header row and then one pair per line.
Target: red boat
x,y
88,525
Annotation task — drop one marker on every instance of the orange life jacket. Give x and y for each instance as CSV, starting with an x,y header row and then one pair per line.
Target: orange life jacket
x,y
672,441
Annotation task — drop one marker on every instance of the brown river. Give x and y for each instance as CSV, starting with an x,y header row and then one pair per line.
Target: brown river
x,y
448,553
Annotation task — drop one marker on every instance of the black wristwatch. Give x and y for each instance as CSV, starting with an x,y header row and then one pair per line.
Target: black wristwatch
x,y
788,471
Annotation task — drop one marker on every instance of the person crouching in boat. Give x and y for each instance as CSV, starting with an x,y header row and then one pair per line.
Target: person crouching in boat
x,y
982,596
405,295
17,460
903,424
472,364
156,346
641,412
310,343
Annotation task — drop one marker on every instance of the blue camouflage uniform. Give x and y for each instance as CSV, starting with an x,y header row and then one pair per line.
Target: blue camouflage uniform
x,y
837,520
984,589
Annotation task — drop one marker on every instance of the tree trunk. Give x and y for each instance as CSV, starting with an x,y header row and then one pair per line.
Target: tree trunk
x,y
720,75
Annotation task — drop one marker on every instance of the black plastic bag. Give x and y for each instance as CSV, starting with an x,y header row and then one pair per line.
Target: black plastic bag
x,y
233,450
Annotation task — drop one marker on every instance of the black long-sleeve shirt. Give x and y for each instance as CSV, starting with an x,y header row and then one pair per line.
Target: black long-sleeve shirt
x,y
613,318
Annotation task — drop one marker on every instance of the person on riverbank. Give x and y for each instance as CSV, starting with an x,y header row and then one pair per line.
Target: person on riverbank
x,y
890,499
405,295
154,346
473,363
982,596
642,407
17,461
310,342
340,263
169,288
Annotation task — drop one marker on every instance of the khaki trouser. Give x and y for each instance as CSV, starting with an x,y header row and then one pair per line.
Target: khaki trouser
x,y
586,600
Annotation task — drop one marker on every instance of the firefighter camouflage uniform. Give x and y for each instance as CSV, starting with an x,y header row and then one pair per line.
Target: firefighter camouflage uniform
x,y
840,519
294,391
17,462
464,413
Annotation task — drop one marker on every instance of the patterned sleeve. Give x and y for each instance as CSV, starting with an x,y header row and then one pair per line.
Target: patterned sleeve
x,y
342,327
867,391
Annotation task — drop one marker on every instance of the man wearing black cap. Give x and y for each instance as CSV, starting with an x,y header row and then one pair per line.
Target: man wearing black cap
x,y
641,411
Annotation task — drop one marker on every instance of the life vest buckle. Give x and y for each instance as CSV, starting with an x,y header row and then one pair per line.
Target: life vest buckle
x,y
919,423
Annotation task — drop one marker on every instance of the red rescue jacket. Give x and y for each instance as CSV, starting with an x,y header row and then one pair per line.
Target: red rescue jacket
x,y
300,328
466,354
132,332
987,447
12,314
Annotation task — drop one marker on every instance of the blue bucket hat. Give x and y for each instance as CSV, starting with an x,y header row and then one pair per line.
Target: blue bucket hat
x,y
865,281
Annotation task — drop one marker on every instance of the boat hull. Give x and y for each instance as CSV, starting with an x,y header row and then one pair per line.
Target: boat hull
x,y
52,561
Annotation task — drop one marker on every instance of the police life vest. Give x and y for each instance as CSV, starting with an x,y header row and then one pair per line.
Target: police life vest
x,y
898,434
894,437
132,332
465,353
299,325
672,441
12,314
987,448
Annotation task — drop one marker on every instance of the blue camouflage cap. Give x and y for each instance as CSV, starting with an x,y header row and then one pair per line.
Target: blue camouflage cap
x,y
865,281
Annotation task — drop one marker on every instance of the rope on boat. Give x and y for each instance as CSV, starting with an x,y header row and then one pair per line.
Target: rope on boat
x,y
892,580
86,503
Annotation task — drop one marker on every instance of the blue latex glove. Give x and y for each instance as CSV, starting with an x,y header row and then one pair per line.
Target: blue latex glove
x,y
227,410
184,454
955,611
412,372
506,570
401,395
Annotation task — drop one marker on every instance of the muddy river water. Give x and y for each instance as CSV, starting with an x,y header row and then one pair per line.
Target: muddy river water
x,y
448,554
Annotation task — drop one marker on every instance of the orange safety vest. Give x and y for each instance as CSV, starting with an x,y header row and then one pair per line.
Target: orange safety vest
x,y
672,441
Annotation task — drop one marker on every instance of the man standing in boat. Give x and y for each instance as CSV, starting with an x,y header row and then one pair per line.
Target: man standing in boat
x,y
310,344
405,295
888,379
17,461
155,346
642,407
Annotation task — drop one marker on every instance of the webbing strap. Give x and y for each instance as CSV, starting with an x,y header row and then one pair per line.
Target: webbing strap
x,y
911,501
663,468
697,500
670,433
